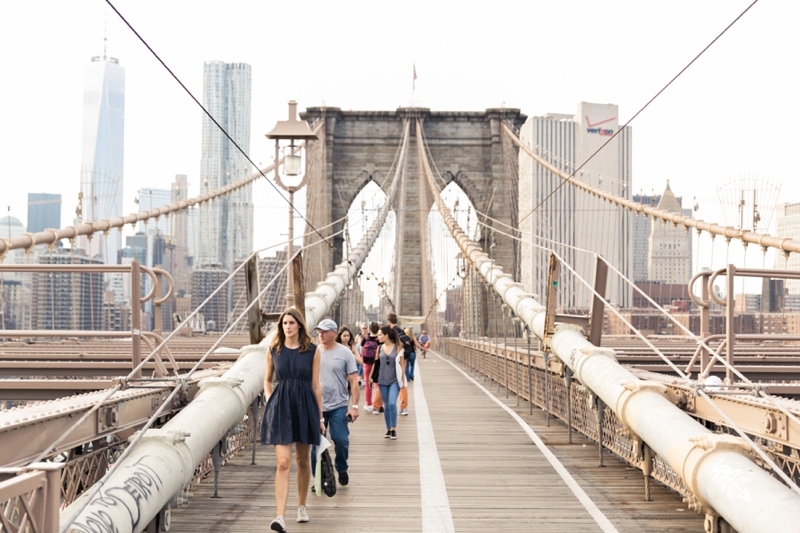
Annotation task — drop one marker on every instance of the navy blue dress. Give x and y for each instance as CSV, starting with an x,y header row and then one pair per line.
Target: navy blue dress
x,y
292,413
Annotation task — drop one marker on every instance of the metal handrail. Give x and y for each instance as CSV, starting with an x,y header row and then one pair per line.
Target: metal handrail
x,y
730,336
41,483
135,334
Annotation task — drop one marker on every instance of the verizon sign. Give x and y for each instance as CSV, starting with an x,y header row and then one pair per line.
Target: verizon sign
x,y
595,127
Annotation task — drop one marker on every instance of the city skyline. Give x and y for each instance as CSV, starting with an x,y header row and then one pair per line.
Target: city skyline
x,y
698,133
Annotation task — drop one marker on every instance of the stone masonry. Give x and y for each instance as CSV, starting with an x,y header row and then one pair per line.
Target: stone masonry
x,y
358,146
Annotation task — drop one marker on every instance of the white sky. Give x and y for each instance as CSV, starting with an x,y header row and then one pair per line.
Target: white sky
x,y
727,116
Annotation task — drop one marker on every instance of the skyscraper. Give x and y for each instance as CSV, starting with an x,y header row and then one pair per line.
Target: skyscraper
x,y
226,224
103,150
787,226
669,259
44,211
642,228
572,222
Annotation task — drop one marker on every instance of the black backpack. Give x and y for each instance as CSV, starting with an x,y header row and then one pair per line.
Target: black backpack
x,y
405,340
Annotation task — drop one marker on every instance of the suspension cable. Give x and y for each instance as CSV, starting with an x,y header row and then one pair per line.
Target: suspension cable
x,y
664,88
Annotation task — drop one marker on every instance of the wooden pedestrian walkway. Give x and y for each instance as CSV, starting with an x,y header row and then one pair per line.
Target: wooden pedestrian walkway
x,y
461,462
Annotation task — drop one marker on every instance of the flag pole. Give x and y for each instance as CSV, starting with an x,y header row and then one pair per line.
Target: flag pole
x,y
413,83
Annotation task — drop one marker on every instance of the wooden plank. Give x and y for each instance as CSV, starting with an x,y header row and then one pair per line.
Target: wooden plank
x,y
496,478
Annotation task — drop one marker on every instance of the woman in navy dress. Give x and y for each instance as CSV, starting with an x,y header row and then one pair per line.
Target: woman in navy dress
x,y
294,407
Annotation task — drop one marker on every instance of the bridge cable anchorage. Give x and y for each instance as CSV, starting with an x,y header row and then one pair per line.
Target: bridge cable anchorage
x,y
700,392
709,472
224,132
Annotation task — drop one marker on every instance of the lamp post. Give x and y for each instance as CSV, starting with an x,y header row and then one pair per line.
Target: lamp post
x,y
290,130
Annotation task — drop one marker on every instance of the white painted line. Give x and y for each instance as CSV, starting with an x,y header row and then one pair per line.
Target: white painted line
x,y
436,517
601,519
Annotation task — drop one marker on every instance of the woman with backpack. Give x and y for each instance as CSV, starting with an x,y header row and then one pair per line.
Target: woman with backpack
x,y
369,350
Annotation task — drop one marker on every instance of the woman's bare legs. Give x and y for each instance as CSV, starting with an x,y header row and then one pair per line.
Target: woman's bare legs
x,y
303,458
283,454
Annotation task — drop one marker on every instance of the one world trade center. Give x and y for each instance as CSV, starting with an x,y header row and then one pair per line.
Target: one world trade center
x,y
103,151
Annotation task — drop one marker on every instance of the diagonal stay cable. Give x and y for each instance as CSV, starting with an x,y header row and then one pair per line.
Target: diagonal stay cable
x,y
224,132
745,437
664,88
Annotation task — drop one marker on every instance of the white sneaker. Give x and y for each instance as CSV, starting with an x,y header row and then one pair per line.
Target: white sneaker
x,y
404,412
278,525
302,515
368,408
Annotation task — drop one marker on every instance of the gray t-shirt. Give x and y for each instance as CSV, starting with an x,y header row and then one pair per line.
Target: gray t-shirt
x,y
388,371
335,365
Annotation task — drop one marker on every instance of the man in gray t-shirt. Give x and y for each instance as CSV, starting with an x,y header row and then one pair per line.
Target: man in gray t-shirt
x,y
337,369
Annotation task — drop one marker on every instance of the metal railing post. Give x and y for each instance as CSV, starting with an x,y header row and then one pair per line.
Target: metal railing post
x,y
503,308
730,334
157,319
601,406
136,316
496,347
705,319
530,388
568,382
254,314
547,386
255,413
516,361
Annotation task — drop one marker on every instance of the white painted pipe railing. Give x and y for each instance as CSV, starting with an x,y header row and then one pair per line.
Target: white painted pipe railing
x,y
714,467
163,462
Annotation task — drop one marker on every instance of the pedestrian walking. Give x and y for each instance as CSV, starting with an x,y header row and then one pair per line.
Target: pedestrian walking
x,y
425,341
411,357
362,334
345,338
408,348
293,409
337,370
369,350
389,373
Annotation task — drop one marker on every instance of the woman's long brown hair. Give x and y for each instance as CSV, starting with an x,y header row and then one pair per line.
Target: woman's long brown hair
x,y
339,336
302,335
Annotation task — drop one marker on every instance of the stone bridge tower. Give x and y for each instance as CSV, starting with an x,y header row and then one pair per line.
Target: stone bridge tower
x,y
356,147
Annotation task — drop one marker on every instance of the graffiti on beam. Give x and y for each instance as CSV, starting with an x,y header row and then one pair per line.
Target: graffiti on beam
x,y
141,483
734,480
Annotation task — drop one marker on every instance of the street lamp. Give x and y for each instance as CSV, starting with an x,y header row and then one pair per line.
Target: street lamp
x,y
291,130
